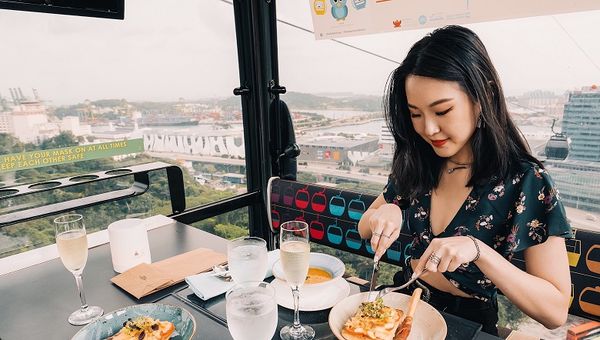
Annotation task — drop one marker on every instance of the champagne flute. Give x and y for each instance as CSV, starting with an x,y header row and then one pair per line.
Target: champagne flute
x,y
251,311
247,259
295,252
71,241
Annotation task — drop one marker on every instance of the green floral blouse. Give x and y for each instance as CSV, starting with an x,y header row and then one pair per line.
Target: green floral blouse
x,y
509,215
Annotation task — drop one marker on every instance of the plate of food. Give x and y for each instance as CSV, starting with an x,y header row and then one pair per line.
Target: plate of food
x,y
355,319
155,320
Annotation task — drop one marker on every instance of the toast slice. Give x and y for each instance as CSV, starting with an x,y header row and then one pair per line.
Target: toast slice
x,y
153,329
373,321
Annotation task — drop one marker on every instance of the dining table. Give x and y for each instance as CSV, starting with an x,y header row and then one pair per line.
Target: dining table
x,y
35,301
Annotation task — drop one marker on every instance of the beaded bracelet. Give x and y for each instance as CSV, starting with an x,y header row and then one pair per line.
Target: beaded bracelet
x,y
476,247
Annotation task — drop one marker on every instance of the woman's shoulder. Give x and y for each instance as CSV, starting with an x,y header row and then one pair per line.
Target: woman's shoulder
x,y
524,169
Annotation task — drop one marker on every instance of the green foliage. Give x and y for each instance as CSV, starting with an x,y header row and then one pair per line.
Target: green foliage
x,y
9,144
509,316
364,186
306,177
63,140
230,231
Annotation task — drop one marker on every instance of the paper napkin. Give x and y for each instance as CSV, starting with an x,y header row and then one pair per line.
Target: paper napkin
x,y
206,285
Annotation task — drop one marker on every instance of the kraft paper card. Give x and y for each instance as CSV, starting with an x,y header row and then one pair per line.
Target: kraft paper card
x,y
145,279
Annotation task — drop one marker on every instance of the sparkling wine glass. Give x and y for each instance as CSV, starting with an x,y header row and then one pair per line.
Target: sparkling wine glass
x,y
295,252
247,259
251,311
71,241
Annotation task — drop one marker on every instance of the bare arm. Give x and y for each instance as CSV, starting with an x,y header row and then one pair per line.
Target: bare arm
x,y
542,291
381,223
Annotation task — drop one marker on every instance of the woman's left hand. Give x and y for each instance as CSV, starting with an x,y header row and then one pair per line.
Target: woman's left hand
x,y
446,254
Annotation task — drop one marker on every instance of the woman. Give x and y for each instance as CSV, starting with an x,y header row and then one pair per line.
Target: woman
x,y
470,191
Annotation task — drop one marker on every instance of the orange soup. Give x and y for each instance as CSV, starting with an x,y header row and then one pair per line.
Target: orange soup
x,y
317,275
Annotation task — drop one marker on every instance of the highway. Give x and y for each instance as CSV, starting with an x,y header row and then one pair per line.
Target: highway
x,y
320,169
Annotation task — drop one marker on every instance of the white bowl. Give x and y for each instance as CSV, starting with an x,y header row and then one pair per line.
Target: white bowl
x,y
428,323
329,263
312,299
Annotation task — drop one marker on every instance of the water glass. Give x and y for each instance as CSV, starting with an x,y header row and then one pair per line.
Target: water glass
x,y
247,259
251,311
71,240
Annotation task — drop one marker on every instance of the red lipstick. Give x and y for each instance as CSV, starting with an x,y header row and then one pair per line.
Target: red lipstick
x,y
439,143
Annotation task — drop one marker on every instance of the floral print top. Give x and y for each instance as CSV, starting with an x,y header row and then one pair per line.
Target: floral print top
x,y
509,215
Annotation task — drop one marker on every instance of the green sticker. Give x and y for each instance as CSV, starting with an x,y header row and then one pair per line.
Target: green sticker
x,y
40,158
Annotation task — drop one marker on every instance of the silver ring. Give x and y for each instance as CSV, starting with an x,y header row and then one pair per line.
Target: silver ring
x,y
386,236
434,259
376,234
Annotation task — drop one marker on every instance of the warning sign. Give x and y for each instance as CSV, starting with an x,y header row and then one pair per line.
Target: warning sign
x,y
40,158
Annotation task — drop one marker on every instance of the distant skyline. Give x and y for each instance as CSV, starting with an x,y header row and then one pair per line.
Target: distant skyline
x,y
164,52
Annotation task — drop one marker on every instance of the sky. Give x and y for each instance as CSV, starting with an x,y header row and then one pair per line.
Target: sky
x,y
162,52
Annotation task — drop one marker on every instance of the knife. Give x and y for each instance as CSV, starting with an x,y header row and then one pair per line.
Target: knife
x,y
373,284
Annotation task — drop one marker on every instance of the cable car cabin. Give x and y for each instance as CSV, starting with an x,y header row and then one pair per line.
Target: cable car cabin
x,y
557,147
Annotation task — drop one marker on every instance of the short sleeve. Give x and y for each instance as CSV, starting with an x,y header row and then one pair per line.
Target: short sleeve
x,y
391,196
536,214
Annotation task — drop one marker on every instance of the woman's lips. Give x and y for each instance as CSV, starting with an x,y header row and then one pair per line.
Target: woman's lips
x,y
439,143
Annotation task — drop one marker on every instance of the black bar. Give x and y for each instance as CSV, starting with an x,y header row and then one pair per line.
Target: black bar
x,y
253,41
217,208
113,9
176,189
140,185
84,202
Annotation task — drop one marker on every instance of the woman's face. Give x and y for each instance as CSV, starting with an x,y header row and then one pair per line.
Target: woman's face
x,y
443,115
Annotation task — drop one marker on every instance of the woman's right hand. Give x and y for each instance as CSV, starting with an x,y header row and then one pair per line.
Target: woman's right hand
x,y
384,223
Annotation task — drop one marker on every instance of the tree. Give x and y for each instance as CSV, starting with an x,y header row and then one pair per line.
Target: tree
x,y
230,231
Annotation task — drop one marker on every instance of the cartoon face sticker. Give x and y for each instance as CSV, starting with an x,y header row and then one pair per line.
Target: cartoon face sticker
x,y
339,10
320,7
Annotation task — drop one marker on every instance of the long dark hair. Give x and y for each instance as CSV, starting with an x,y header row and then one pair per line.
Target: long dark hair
x,y
452,53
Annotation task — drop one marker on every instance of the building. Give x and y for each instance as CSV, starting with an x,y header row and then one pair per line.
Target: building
x,y
5,122
386,142
29,122
581,124
234,178
339,149
72,124
578,183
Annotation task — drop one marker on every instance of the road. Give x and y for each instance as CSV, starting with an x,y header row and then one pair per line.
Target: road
x,y
320,169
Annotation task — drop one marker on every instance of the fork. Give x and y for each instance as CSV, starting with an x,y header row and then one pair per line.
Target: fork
x,y
388,290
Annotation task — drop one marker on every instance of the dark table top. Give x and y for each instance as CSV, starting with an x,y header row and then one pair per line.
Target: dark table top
x,y
36,301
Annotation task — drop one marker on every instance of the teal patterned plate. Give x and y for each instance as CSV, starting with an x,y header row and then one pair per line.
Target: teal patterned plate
x,y
109,324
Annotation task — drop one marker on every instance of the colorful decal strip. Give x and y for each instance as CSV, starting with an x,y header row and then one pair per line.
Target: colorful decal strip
x,y
337,18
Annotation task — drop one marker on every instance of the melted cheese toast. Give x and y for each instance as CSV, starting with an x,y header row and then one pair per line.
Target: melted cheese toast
x,y
373,321
152,329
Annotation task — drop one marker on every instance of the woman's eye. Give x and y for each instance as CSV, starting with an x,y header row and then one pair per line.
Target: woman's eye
x,y
443,112
414,115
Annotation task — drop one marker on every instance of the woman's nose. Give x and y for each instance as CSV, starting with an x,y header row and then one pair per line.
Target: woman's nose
x,y
431,126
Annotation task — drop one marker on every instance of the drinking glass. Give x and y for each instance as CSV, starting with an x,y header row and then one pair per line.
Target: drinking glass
x,y
295,252
247,259
251,311
71,241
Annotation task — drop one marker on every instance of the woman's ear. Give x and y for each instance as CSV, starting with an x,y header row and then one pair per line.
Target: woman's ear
x,y
478,118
